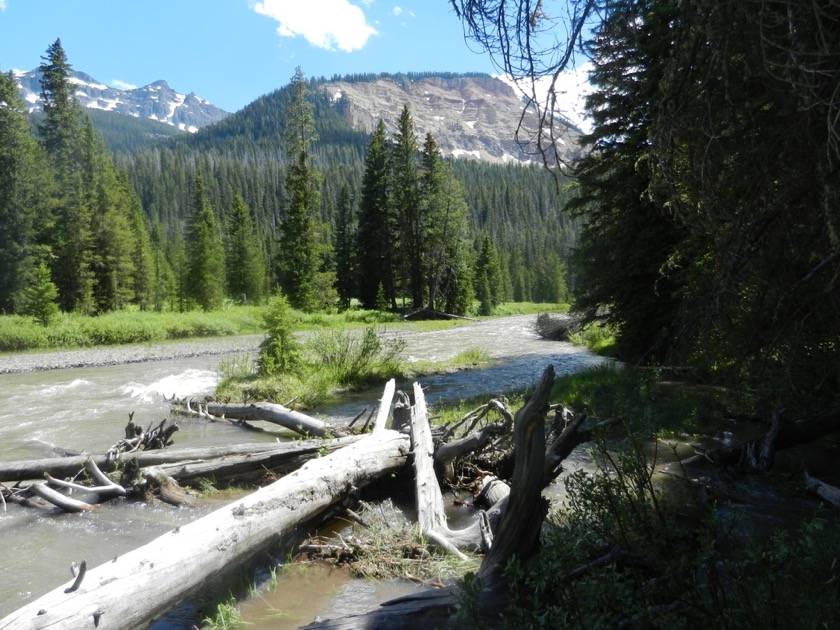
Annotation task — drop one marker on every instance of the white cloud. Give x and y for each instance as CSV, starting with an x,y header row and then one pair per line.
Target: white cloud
x,y
398,10
2,5
120,85
328,24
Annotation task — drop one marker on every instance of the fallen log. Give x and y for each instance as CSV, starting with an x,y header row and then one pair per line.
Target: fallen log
x,y
757,454
252,467
516,537
431,515
68,504
60,467
276,414
178,563
827,492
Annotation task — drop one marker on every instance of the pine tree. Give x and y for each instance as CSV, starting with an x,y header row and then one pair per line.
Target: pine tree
x,y
62,135
442,233
22,192
487,277
622,258
406,202
298,260
345,248
375,239
205,263
41,296
245,259
63,116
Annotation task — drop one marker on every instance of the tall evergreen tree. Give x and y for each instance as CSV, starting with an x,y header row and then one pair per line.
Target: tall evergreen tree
x,y
62,134
405,198
623,262
205,261
63,116
375,239
299,261
246,279
22,196
487,277
442,234
345,247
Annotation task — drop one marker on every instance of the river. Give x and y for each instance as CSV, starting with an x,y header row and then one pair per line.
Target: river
x,y
86,408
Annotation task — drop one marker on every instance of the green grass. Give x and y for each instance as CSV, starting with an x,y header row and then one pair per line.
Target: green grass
x,y
600,339
528,308
124,327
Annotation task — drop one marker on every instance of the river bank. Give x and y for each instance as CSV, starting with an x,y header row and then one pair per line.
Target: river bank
x,y
11,363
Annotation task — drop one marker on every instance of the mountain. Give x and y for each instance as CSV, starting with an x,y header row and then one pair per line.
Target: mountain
x,y
470,116
156,101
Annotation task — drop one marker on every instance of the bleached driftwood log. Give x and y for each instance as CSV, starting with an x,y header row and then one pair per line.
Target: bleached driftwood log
x,y
429,500
276,414
220,455
178,563
517,536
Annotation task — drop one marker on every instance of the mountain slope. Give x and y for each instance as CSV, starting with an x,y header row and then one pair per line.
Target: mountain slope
x,y
472,117
156,101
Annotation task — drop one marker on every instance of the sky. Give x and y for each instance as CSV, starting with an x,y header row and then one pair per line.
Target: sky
x,y
231,52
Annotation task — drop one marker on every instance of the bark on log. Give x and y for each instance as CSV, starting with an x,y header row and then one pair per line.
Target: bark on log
x,y
277,414
68,504
519,530
175,565
60,467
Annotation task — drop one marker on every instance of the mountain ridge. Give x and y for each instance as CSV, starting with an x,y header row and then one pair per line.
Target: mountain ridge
x,y
156,101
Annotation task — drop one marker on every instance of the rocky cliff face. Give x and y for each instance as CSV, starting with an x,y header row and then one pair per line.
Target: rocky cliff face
x,y
156,101
469,117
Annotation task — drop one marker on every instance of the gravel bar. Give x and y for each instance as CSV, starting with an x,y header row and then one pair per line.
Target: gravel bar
x,y
118,355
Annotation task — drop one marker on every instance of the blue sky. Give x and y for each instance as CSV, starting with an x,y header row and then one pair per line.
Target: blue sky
x,y
230,52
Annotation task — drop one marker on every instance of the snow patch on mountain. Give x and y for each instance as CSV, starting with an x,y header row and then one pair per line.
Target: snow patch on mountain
x,y
156,101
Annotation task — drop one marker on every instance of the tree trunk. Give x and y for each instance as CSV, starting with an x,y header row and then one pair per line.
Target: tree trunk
x,y
178,563
214,456
429,500
278,414
517,537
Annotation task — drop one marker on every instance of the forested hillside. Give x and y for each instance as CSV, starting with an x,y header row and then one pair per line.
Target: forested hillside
x,y
245,154
105,212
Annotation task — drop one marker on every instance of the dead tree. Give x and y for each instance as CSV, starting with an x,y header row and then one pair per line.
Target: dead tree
x,y
517,537
178,563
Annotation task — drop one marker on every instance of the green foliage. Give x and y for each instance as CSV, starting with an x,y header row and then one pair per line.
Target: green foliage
x,y
350,359
124,327
375,236
41,297
280,352
298,259
227,617
21,195
600,338
710,236
487,277
205,266
244,256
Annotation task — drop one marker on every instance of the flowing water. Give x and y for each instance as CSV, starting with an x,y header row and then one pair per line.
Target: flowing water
x,y
86,408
